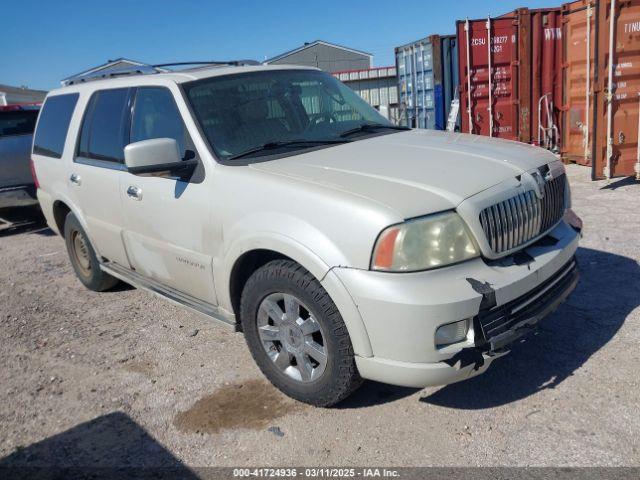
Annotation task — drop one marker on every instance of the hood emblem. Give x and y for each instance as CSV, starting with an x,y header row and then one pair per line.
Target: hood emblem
x,y
539,182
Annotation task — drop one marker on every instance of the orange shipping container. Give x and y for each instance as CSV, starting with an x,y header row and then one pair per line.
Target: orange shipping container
x,y
601,111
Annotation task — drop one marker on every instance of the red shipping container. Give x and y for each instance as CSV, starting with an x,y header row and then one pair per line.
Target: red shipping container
x,y
546,76
523,96
489,102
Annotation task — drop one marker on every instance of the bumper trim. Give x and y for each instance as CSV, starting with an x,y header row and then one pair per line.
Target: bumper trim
x,y
420,375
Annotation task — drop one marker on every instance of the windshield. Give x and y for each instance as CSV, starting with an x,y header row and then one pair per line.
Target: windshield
x,y
279,111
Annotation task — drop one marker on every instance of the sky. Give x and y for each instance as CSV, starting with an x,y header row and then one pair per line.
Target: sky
x,y
43,42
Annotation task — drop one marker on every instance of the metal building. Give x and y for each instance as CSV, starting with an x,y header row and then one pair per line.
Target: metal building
x,y
10,95
326,56
377,86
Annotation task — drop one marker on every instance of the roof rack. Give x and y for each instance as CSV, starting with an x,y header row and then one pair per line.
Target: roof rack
x,y
151,69
233,63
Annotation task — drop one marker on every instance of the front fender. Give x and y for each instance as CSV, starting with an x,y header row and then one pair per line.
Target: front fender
x,y
305,256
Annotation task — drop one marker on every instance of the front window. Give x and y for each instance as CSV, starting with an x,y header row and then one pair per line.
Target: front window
x,y
278,112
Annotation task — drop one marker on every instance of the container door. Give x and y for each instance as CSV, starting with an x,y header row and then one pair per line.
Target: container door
x,y
546,78
622,127
449,74
577,112
492,45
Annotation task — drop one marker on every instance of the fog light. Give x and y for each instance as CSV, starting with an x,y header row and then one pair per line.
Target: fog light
x,y
452,333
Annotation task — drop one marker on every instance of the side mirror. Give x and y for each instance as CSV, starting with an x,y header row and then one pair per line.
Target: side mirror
x,y
156,156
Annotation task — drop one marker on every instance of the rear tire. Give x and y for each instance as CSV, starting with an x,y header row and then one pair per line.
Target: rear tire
x,y
297,335
83,257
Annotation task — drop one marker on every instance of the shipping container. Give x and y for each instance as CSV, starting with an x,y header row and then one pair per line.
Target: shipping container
x,y
427,80
521,98
546,76
579,34
602,109
491,102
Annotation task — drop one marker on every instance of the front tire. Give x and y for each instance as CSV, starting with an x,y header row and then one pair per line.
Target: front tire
x,y
297,335
83,257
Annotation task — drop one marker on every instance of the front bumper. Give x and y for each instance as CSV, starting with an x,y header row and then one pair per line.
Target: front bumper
x,y
505,299
20,196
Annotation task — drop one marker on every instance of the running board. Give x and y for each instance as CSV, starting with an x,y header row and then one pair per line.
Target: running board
x,y
174,296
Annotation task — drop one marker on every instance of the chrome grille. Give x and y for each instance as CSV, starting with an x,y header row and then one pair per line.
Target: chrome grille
x,y
519,219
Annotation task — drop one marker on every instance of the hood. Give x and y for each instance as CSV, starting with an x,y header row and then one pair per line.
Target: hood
x,y
415,172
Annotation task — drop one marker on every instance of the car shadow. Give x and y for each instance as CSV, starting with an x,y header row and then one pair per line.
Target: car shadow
x,y
608,291
374,393
18,220
110,446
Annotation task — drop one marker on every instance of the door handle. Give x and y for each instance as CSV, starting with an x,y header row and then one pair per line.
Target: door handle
x,y
75,179
134,192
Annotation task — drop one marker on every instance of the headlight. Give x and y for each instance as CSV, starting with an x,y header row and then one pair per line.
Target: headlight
x,y
424,243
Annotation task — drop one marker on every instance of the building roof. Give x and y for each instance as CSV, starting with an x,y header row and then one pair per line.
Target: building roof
x,y
108,64
24,90
313,44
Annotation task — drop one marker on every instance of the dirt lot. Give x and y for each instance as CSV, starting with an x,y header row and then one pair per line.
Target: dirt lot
x,y
126,379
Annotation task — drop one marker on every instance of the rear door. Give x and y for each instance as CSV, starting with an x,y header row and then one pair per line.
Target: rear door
x,y
167,219
98,165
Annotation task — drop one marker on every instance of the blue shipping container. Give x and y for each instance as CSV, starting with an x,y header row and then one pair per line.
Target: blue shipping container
x,y
427,80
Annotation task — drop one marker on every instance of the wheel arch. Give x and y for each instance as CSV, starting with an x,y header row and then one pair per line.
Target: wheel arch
x,y
60,212
247,255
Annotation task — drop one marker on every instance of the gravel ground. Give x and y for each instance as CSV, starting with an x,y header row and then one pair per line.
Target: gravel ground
x,y
125,379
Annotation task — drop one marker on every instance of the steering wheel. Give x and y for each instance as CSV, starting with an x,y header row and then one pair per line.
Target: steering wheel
x,y
320,118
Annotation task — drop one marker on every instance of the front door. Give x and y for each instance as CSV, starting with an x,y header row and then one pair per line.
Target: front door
x,y
166,218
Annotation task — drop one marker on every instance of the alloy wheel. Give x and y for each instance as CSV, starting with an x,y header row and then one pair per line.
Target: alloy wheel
x,y
292,337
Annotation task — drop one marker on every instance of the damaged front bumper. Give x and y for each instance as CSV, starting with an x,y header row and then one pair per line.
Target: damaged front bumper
x,y
504,300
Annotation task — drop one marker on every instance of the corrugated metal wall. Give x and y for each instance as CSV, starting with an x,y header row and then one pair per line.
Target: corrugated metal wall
x,y
377,86
601,87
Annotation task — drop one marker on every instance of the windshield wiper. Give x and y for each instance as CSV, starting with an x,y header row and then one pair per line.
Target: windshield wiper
x,y
285,143
371,127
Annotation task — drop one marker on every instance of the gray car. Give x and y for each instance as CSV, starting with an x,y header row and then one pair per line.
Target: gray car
x,y
277,202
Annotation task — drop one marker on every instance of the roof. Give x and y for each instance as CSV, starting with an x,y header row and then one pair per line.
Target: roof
x,y
180,76
104,66
10,89
313,44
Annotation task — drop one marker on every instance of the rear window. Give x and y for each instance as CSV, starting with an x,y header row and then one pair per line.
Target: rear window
x,y
54,124
105,126
21,122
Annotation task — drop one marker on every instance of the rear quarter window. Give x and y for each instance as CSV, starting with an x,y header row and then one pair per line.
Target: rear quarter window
x,y
53,125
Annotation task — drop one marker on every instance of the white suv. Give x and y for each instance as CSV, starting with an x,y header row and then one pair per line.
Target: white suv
x,y
277,202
